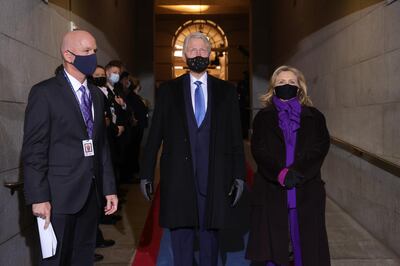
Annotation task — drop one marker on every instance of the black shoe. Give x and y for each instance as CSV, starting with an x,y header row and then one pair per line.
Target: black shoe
x,y
105,243
98,257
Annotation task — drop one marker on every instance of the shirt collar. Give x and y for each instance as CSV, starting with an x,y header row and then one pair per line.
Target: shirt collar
x,y
74,82
203,79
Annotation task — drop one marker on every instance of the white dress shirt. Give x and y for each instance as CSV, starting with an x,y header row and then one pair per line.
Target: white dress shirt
x,y
76,85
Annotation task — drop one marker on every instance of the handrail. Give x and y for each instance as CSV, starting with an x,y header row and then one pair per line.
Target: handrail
x,y
14,186
374,159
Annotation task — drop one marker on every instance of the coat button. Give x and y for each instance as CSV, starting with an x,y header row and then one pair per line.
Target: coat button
x,y
185,140
187,158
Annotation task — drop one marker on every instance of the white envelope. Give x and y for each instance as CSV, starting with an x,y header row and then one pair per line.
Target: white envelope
x,y
48,240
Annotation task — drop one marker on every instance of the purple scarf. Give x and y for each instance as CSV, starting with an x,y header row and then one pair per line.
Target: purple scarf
x,y
289,122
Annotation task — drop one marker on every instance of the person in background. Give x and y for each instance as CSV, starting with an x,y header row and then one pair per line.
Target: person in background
x,y
118,109
65,154
139,120
197,119
126,140
99,79
114,127
289,144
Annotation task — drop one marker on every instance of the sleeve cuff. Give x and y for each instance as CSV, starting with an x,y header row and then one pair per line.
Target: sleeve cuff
x,y
282,175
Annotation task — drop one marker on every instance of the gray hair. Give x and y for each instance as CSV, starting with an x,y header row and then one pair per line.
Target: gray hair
x,y
196,35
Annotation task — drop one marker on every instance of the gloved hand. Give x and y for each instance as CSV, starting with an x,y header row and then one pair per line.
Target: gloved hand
x,y
146,187
292,179
236,191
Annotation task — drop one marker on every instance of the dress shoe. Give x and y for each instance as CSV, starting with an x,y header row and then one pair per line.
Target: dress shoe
x,y
105,243
98,257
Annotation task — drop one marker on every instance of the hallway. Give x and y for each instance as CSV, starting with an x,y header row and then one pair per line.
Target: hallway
x,y
348,51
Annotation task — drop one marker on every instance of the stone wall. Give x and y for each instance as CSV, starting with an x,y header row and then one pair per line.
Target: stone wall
x,y
30,37
352,66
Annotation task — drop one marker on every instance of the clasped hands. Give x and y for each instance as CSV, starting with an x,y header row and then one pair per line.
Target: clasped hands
x,y
292,179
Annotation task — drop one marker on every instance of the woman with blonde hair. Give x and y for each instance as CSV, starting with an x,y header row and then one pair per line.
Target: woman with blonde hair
x,y
289,143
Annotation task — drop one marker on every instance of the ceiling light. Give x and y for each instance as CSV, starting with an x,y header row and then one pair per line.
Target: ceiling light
x,y
186,8
178,53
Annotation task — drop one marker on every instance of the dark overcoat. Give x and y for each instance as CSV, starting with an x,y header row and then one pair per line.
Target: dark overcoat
x,y
178,203
269,214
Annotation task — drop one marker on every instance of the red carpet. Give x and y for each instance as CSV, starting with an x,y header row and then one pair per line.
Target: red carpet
x,y
249,175
149,244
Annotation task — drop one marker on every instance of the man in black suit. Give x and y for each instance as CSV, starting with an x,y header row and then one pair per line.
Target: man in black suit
x,y
197,119
65,154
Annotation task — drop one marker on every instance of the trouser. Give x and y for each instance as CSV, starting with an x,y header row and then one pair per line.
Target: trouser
x,y
182,241
76,235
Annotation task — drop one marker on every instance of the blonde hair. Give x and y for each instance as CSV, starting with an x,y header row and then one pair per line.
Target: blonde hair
x,y
266,99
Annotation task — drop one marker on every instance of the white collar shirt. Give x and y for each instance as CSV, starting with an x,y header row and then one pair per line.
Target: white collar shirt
x,y
104,90
76,85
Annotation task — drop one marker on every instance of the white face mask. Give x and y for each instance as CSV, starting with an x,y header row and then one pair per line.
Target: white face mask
x,y
113,78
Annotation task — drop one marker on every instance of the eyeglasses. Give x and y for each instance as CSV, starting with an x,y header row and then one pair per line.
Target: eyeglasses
x,y
195,51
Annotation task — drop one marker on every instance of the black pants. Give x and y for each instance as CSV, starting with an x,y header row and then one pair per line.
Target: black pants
x,y
130,144
76,235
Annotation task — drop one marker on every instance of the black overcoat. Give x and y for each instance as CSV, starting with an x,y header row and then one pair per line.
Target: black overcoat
x,y
269,215
226,158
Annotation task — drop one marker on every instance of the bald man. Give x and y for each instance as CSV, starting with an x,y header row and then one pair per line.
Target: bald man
x,y
66,161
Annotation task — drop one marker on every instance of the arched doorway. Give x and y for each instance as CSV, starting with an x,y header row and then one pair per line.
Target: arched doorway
x,y
219,44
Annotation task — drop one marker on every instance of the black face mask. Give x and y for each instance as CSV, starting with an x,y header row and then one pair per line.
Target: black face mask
x,y
198,64
286,92
100,81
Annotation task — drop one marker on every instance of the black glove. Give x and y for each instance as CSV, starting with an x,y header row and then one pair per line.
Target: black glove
x,y
236,191
292,179
146,187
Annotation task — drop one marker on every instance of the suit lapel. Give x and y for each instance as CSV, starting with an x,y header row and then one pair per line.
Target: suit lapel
x,y
97,113
214,98
182,93
67,93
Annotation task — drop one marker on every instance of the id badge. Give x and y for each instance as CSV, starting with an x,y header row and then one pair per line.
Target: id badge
x,y
88,147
